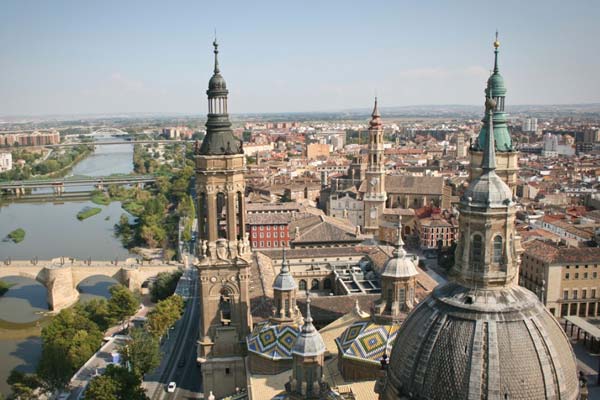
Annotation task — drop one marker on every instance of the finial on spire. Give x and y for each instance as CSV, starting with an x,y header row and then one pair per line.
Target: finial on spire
x,y
375,112
489,153
399,251
496,45
308,326
285,266
216,51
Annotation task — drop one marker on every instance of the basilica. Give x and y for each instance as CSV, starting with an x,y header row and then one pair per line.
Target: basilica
x,y
479,336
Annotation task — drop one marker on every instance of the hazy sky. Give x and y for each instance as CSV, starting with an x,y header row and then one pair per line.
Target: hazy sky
x,y
84,56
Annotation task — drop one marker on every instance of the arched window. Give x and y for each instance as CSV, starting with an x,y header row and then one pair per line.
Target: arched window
x,y
476,249
327,283
314,285
221,216
240,216
302,284
225,306
498,249
401,295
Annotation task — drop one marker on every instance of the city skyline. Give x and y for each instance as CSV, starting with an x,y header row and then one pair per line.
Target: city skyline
x,y
64,58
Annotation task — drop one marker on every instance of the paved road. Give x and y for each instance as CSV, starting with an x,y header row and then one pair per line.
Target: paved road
x,y
179,363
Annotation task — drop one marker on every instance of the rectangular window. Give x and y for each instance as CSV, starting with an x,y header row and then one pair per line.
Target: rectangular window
x,y
567,275
584,294
585,276
227,371
268,234
254,243
566,295
593,293
275,243
262,244
268,243
253,234
594,275
275,235
574,294
261,227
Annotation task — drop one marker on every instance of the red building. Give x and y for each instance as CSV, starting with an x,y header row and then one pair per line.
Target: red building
x,y
268,230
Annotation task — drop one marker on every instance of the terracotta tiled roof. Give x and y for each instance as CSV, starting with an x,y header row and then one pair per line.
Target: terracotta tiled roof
x,y
554,254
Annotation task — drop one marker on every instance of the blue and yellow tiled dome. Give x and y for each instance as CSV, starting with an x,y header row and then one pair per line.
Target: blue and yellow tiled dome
x,y
273,341
367,341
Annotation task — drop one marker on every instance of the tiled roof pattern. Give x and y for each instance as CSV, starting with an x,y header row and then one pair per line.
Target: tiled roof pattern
x,y
273,341
367,341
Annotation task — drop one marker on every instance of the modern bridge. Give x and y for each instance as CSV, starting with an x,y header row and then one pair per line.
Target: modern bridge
x,y
58,184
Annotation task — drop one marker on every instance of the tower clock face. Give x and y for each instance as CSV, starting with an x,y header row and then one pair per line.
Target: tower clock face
x,y
374,181
373,212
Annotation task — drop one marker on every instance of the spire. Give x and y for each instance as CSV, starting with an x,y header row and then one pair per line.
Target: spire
x,y
284,280
399,251
489,152
285,266
375,116
216,51
308,326
375,112
496,45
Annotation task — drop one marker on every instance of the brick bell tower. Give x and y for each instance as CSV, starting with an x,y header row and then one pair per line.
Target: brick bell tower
x,y
224,250
375,195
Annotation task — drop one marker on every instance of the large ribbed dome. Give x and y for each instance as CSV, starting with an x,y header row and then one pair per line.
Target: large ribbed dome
x,y
465,343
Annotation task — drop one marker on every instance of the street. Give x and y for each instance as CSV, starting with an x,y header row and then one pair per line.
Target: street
x,y
179,350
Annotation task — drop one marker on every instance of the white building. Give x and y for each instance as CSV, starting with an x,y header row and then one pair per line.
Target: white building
x,y
5,161
529,125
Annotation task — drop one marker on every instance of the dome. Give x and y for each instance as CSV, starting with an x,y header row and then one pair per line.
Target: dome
x,y
400,267
496,82
273,341
464,343
309,342
284,280
488,190
502,137
217,82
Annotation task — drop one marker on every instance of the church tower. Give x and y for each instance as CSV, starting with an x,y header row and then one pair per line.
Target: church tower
x,y
398,284
506,156
284,296
481,335
306,381
375,196
224,253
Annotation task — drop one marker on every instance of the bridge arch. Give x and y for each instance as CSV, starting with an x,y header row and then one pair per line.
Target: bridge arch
x,y
109,131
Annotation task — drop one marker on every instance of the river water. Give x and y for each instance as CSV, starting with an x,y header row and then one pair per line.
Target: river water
x,y
52,230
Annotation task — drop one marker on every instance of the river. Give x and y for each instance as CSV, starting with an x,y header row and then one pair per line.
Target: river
x,y
52,230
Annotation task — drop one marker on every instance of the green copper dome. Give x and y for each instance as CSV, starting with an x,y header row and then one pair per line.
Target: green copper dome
x,y
496,89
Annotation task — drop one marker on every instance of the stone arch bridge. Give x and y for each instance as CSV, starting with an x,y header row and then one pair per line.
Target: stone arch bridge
x,y
62,276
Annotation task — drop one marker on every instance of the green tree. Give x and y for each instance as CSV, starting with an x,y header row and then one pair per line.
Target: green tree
x,y
122,303
164,285
97,311
164,315
117,383
24,386
67,343
142,351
